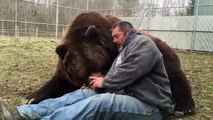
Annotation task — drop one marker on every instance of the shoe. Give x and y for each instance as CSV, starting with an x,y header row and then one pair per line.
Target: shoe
x,y
7,112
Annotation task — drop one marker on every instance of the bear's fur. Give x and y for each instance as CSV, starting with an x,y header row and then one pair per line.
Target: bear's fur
x,y
87,47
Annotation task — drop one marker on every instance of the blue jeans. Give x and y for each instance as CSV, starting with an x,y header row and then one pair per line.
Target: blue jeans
x,y
86,104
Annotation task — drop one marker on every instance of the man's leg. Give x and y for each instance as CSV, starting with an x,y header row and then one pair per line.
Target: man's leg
x,y
106,107
48,106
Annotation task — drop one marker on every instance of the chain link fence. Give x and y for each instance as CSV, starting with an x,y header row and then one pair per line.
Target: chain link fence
x,y
37,18
183,24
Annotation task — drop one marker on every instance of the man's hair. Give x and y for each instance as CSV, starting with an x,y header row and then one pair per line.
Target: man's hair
x,y
123,26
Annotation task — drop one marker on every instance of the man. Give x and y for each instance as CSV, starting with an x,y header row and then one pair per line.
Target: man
x,y
136,87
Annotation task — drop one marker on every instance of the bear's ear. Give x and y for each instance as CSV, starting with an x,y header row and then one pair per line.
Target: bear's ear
x,y
61,50
91,32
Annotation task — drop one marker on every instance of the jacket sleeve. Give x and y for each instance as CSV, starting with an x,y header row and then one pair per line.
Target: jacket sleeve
x,y
139,61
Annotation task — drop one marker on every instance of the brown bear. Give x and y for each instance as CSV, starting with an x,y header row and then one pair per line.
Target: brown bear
x,y
89,38
87,47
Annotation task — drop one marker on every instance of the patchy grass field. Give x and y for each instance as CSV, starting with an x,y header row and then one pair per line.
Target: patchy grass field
x,y
26,64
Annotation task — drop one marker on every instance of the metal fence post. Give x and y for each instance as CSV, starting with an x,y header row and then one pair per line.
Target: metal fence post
x,y
63,30
87,9
149,17
36,32
195,26
16,19
2,28
56,22
17,32
114,5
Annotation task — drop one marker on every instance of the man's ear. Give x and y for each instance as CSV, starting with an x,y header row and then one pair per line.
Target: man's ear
x,y
61,50
91,32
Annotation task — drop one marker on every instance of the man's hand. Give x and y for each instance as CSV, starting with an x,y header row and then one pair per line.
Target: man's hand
x,y
85,87
96,81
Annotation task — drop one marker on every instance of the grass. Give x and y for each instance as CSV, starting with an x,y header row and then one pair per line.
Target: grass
x,y
25,65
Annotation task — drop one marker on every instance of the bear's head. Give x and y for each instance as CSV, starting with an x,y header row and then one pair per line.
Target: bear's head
x,y
90,52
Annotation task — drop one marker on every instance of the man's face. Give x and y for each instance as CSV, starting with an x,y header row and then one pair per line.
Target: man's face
x,y
118,37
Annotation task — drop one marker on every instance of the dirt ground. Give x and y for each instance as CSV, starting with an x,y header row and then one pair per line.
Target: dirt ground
x,y
25,65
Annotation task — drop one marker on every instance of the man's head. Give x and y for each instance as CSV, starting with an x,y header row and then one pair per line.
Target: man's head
x,y
120,31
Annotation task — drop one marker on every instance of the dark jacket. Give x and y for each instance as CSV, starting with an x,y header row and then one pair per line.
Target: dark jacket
x,y
139,71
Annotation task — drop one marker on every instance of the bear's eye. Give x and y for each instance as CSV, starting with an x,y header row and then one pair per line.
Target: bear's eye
x,y
73,63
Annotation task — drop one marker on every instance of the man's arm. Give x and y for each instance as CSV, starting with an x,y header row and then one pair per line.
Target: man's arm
x,y
139,62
